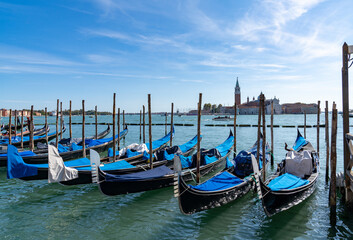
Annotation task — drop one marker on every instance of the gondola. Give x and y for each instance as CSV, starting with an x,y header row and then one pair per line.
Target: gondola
x,y
15,163
225,187
163,176
40,156
36,132
16,141
293,182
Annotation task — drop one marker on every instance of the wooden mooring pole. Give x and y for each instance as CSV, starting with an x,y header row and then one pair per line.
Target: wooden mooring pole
x,y
258,134
96,121
114,141
272,144
31,128
262,99
57,122
70,123
171,124
61,120
332,192
327,143
46,126
345,107
140,125
83,129
198,162
150,130
304,124
144,124
318,128
119,128
10,127
22,130
15,123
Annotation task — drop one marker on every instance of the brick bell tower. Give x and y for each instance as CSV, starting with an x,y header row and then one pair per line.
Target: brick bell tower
x,y
237,93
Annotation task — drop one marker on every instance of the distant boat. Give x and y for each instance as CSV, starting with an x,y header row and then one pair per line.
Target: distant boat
x,y
225,118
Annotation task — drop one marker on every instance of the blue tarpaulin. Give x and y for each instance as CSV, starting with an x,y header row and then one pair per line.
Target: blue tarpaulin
x,y
71,163
185,161
286,181
25,138
122,164
159,142
190,144
225,146
62,149
22,154
16,168
299,142
145,175
221,181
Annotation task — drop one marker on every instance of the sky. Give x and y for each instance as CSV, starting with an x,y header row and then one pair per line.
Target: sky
x,y
174,50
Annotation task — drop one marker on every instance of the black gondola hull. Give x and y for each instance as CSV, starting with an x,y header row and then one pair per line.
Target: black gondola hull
x,y
191,200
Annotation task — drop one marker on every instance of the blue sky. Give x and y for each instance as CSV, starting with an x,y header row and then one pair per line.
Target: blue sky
x,y
74,50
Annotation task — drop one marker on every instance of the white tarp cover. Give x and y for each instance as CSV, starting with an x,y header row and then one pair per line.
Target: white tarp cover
x,y
299,163
57,171
136,147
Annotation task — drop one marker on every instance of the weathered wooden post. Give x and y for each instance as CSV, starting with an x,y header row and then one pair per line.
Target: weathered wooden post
x,y
61,120
332,194
119,128
31,141
235,127
144,124
123,120
70,123
198,162
262,99
140,125
165,118
46,126
327,143
57,122
345,107
114,141
171,125
22,130
96,121
304,124
272,144
150,130
83,129
15,123
318,127
258,134
10,127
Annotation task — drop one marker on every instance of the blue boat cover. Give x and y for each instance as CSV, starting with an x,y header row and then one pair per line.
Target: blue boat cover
x,y
286,181
229,163
62,149
75,147
16,168
22,154
190,144
225,146
95,142
122,164
221,181
299,142
155,144
209,159
71,163
159,142
25,138
145,175
185,161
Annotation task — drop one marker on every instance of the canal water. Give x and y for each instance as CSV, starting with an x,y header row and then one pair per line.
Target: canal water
x,y
38,210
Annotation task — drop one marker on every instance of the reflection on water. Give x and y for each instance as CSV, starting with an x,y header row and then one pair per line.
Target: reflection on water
x,y
38,210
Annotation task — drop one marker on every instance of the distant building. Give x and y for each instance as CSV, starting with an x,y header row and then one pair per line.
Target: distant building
x,y
252,108
299,108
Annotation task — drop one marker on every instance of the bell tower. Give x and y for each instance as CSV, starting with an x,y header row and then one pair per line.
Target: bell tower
x,y
237,93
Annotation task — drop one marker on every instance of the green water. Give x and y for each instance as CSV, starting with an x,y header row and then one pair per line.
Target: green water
x,y
38,210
